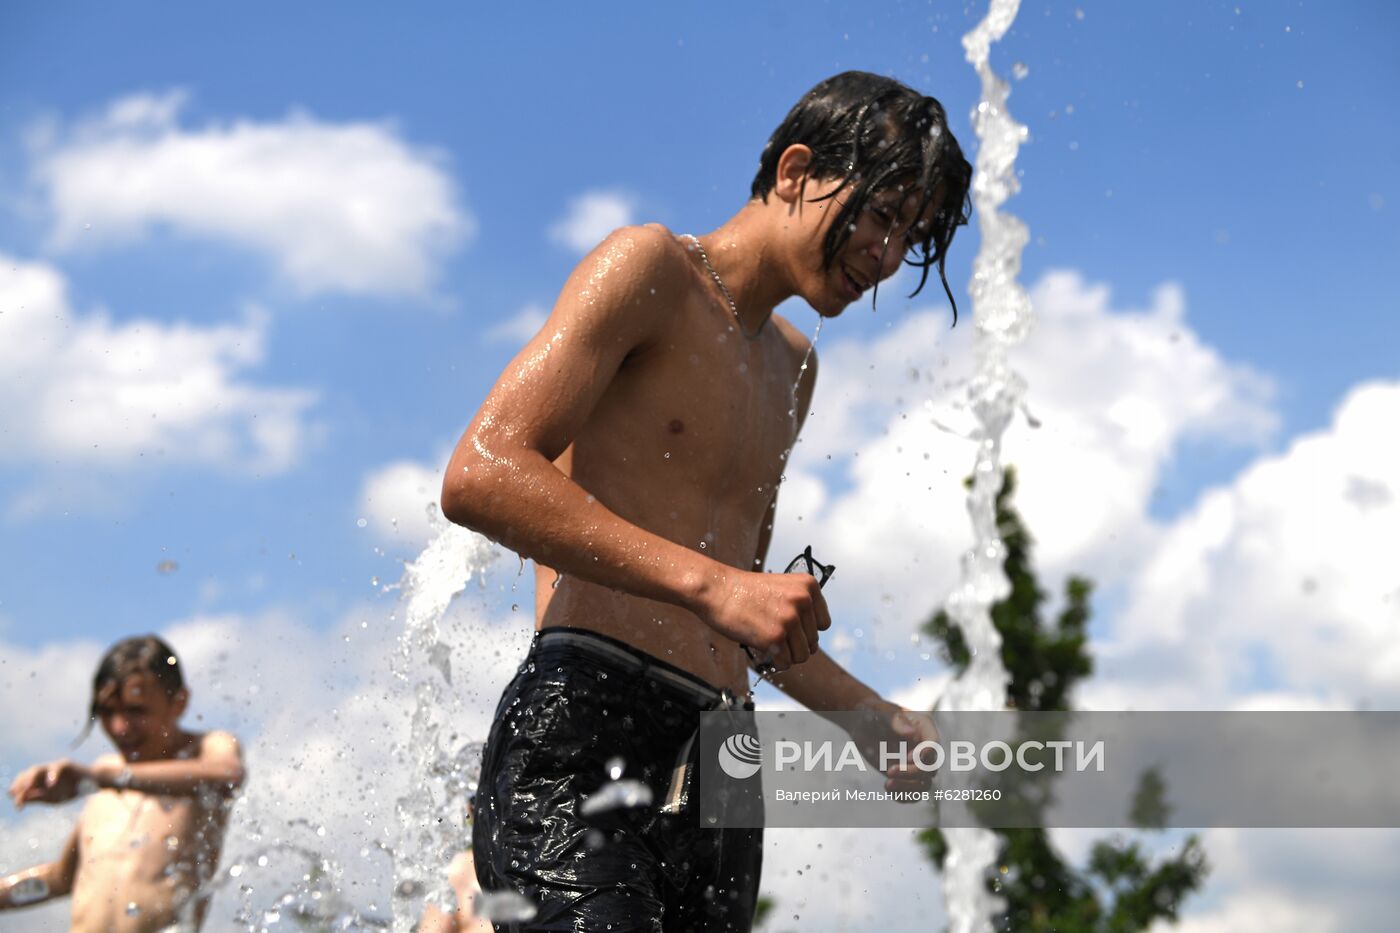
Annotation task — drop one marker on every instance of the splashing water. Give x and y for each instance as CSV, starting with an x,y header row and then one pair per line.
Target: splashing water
x,y
316,902
1002,316
503,907
440,778
792,404
616,795
802,371
278,873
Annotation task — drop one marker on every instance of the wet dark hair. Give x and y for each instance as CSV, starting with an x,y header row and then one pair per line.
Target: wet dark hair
x,y
877,134
143,654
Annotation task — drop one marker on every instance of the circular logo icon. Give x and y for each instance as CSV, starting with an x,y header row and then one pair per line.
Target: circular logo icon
x,y
740,756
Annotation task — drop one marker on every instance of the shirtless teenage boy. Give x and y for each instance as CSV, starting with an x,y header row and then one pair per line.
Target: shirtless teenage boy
x,y
635,447
149,837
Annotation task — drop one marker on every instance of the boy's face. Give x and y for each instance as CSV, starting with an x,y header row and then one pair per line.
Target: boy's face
x,y
885,231
139,717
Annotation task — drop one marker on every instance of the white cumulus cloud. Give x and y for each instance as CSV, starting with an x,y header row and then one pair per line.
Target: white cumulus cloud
x,y
876,482
1284,578
590,218
396,499
519,327
85,390
336,207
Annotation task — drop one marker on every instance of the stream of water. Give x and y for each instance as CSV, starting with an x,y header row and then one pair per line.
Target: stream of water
x,y
1002,317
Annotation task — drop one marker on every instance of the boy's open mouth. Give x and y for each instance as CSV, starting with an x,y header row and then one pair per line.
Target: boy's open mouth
x,y
855,285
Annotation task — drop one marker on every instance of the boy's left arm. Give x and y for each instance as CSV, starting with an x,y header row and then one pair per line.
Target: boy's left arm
x,y
217,767
823,686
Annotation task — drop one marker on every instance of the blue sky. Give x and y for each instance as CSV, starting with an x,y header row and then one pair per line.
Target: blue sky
x,y
1169,142
1243,154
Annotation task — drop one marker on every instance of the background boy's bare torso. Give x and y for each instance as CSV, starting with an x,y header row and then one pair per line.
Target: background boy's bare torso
x,y
154,851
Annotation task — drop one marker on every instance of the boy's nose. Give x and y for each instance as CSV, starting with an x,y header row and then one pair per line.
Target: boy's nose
x,y
888,255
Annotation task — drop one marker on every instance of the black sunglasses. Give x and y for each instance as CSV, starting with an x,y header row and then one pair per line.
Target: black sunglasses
x,y
802,563
806,563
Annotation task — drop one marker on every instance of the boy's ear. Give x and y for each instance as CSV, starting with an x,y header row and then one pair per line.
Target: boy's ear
x,y
792,177
179,701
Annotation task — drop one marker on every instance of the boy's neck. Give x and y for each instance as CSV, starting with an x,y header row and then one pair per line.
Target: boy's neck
x,y
741,250
177,741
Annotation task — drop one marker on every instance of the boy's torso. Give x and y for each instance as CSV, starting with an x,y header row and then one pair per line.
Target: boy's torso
x,y
688,443
141,857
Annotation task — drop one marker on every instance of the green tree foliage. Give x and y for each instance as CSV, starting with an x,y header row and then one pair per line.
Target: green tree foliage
x,y
762,910
1122,888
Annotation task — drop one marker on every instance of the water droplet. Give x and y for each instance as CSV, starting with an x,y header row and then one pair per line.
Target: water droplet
x,y
503,907
615,767
702,545
28,890
1020,70
132,909
616,795
235,871
360,523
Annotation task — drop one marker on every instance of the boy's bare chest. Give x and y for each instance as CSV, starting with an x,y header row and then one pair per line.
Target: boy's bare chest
x,y
141,832
706,410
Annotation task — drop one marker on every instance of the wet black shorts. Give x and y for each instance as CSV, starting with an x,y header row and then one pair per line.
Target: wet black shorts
x,y
581,703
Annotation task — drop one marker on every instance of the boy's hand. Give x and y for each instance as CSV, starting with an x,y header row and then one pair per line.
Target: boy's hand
x,y
55,782
777,615
910,728
891,725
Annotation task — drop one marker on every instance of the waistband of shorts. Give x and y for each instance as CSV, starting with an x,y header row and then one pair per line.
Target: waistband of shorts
x,y
607,649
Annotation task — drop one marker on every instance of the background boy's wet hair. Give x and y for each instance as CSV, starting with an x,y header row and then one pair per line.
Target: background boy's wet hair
x,y
142,654
876,134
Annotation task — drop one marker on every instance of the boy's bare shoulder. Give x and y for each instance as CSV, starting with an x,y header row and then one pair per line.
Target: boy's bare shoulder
x,y
217,743
648,252
110,759
797,342
627,288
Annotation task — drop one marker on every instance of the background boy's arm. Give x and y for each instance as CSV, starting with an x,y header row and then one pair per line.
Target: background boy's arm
x,y
42,882
217,768
502,482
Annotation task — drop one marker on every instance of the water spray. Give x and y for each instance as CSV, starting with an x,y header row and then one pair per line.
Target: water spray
x,y
1002,317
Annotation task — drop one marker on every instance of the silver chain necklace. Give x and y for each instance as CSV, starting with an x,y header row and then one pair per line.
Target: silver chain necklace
x,y
704,257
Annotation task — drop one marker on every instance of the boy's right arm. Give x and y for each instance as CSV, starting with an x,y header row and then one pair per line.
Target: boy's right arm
x,y
502,482
42,882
